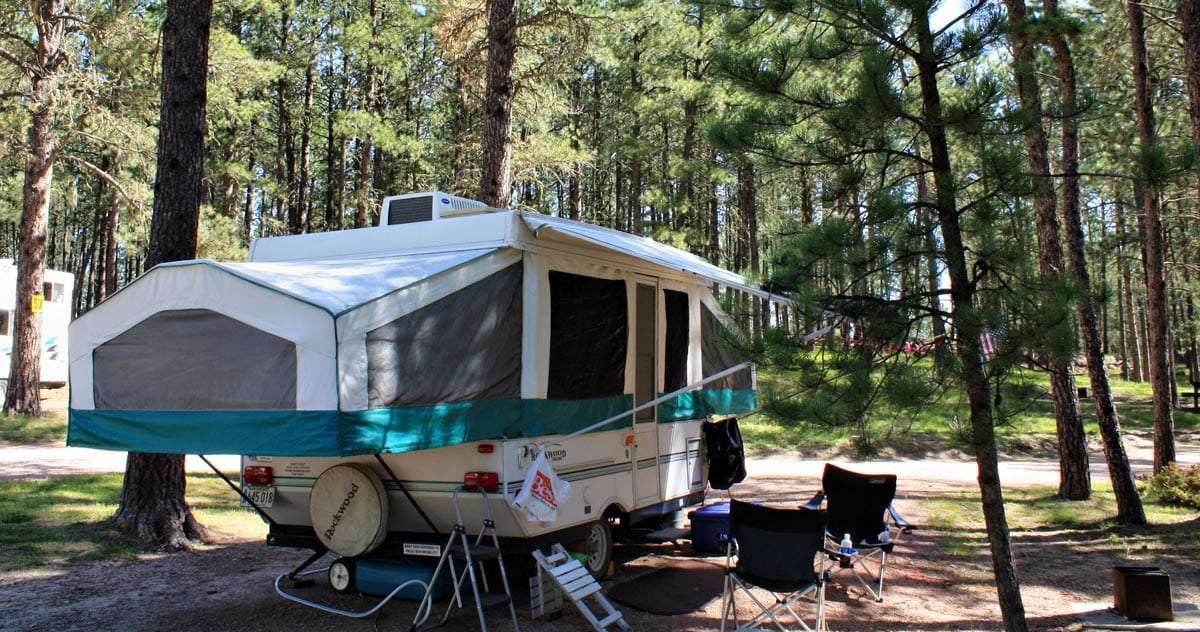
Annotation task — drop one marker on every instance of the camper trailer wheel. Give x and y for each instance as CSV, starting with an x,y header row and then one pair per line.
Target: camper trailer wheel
x,y
341,575
599,548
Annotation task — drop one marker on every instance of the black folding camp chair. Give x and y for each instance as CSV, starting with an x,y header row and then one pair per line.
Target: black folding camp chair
x,y
776,551
860,505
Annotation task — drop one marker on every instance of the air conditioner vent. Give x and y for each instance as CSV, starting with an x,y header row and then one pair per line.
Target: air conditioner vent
x,y
409,210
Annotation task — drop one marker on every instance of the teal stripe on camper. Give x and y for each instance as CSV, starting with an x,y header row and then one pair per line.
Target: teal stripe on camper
x,y
564,416
329,433
392,430
706,402
258,432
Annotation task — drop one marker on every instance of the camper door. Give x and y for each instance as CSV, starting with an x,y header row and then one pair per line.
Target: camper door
x,y
646,479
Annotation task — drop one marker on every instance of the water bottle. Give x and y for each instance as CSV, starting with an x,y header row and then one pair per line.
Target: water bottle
x,y
846,549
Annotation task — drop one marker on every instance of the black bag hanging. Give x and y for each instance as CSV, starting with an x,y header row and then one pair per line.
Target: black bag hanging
x,y
726,458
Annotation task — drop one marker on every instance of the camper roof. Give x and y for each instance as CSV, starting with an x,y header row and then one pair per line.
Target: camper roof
x,y
486,231
337,285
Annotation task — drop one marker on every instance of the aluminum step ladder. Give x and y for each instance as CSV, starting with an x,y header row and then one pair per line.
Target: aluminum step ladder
x,y
472,554
578,584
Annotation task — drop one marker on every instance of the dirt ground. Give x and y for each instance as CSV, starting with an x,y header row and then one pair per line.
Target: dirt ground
x,y
929,585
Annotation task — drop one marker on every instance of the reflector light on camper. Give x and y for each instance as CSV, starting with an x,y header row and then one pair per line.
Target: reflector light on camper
x,y
486,448
487,481
258,475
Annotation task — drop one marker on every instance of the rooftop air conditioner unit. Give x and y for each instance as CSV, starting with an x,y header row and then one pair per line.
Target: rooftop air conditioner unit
x,y
425,207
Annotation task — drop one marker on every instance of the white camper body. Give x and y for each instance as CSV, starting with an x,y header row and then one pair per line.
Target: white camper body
x,y
56,316
450,339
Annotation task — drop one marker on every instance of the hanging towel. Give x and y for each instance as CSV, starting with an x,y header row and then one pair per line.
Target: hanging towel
x,y
726,458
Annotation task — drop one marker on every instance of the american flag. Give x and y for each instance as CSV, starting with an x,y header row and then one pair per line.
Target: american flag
x,y
987,346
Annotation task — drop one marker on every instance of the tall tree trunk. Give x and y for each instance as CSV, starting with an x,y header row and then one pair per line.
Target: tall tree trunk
x,y
495,180
713,229
1161,360
363,176
969,327
1074,474
1129,504
153,510
1188,13
25,371
304,222
111,220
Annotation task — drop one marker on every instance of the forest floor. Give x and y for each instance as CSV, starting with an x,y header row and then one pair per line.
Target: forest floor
x,y
940,577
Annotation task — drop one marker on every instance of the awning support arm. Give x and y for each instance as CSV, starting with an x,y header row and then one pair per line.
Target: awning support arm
x,y
239,491
407,494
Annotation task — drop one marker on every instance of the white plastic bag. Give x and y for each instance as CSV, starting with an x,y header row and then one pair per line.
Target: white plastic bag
x,y
542,492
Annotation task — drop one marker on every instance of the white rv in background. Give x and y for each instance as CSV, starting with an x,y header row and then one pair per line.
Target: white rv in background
x,y
56,316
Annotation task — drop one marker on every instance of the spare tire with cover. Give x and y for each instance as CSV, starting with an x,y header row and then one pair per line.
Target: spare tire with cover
x,y
349,509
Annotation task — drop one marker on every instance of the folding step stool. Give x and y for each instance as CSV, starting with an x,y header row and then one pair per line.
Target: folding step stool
x,y
575,580
472,555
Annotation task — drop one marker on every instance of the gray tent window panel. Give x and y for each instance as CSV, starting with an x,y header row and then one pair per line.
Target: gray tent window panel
x,y
589,335
675,304
466,346
720,350
194,359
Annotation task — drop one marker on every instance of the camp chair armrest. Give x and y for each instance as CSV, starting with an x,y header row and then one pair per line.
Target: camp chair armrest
x,y
814,503
899,520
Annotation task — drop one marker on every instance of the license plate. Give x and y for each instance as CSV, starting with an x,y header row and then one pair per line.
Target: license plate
x,y
262,496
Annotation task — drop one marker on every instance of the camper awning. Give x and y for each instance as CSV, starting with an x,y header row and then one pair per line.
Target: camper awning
x,y
641,248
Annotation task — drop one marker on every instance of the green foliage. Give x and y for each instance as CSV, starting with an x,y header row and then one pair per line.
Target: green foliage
x,y
1174,485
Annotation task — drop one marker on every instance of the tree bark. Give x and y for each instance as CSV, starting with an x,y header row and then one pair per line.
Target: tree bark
x,y
495,180
1161,362
153,510
1074,474
1129,503
363,176
1188,13
969,326
303,222
25,372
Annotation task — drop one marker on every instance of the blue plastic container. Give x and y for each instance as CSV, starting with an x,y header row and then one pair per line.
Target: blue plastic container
x,y
380,577
709,524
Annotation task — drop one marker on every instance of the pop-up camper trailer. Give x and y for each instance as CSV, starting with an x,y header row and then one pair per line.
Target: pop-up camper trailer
x,y
55,315
451,341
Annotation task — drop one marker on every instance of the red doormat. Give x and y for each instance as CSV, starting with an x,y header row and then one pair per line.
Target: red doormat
x,y
683,587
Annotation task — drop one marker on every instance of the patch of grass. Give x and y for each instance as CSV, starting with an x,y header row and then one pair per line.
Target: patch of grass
x,y
1035,515
65,520
49,427
1026,425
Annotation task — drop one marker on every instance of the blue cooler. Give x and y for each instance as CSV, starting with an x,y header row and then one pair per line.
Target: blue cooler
x,y
709,525
379,577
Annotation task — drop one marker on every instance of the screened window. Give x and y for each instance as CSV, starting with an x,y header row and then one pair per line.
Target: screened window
x,y
675,363
194,359
589,335
466,346
721,349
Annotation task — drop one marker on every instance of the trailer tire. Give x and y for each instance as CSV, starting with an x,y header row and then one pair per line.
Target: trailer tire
x,y
598,546
342,575
349,509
